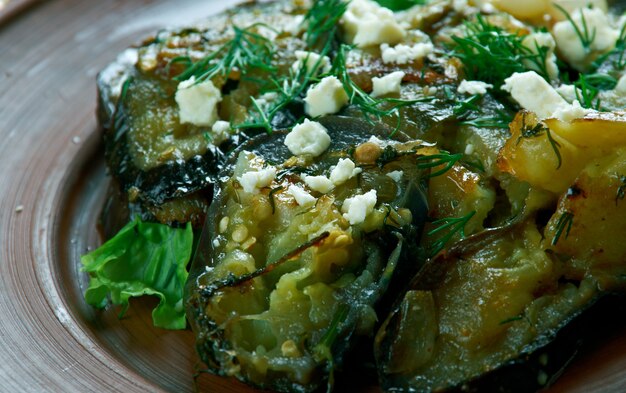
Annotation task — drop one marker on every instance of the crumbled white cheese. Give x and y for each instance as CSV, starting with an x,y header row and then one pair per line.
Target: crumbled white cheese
x,y
325,98
602,35
536,41
344,170
295,26
366,23
216,242
253,180
572,5
403,54
533,93
570,112
473,87
302,197
374,139
620,88
309,137
318,183
388,84
314,63
197,103
396,175
356,209
220,131
568,92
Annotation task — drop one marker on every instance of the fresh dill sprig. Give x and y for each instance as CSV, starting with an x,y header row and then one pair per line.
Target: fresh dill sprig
x,y
443,158
399,5
618,53
322,19
491,54
564,225
370,107
449,226
471,114
324,349
586,93
528,131
287,88
246,51
271,197
585,36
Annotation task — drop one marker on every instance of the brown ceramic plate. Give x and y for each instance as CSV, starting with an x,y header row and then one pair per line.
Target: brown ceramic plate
x,y
52,180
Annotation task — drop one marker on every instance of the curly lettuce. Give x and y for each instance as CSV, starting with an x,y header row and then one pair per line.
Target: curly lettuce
x,y
142,259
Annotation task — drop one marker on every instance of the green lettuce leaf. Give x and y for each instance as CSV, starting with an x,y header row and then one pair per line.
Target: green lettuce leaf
x,y
142,259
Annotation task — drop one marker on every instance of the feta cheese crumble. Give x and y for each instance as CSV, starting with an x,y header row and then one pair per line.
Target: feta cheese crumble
x,y
197,103
601,35
344,170
403,54
533,93
473,87
534,42
356,209
366,23
309,137
388,84
396,175
253,180
314,63
220,131
319,183
302,197
325,98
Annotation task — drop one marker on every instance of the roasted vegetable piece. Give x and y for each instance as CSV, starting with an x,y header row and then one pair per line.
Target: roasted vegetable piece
x,y
495,311
283,284
165,167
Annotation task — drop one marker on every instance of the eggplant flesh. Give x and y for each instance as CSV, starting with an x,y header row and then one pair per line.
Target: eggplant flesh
x,y
279,292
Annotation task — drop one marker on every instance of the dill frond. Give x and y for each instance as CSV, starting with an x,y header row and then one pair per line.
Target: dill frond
x,y
449,226
245,52
491,54
563,226
322,20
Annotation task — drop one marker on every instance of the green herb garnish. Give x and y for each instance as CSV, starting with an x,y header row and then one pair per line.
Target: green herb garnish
x,y
245,52
399,5
322,20
491,54
537,130
443,158
370,107
563,226
585,36
449,226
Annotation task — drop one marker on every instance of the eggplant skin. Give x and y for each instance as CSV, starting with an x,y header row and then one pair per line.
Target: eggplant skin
x,y
280,306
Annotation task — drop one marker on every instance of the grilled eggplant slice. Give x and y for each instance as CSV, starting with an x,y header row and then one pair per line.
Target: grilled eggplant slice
x,y
166,168
497,310
281,286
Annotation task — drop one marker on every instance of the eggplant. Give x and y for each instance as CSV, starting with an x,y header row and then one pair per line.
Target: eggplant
x,y
496,312
164,168
279,292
